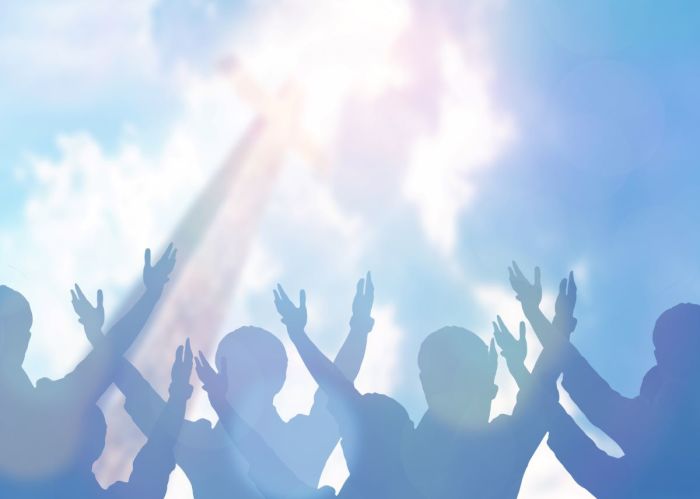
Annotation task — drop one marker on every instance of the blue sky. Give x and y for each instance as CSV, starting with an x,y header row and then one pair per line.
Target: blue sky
x,y
456,136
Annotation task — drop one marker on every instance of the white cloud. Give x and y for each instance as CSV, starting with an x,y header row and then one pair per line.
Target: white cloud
x,y
471,133
94,213
328,49
64,50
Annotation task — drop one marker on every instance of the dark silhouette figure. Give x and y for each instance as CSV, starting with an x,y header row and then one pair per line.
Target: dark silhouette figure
x,y
253,446
456,451
154,462
214,463
51,432
373,427
658,430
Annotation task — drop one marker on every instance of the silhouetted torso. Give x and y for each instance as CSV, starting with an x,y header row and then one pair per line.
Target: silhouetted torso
x,y
659,433
212,463
443,462
374,430
215,467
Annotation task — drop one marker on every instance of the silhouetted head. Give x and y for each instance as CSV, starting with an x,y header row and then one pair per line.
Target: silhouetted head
x,y
257,366
677,340
15,323
457,371
372,441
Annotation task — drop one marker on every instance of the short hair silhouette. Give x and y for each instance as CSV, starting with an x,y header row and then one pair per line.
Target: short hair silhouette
x,y
15,322
456,364
255,357
391,423
677,338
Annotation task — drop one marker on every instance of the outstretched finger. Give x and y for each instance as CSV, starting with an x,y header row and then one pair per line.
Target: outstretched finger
x,y
100,299
178,355
499,335
502,325
302,299
80,293
360,287
562,287
518,273
537,277
572,287
282,293
369,286
205,363
168,251
188,353
74,298
147,258
522,332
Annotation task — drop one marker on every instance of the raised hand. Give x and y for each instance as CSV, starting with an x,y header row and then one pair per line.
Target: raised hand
x,y
292,316
564,319
215,384
514,351
362,305
181,371
528,294
92,318
155,276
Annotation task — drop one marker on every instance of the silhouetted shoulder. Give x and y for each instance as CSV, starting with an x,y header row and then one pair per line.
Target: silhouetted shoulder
x,y
200,433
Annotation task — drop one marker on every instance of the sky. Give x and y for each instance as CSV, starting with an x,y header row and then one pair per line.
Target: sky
x,y
435,142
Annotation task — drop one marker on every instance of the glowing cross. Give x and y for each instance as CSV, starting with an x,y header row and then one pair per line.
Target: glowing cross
x,y
213,240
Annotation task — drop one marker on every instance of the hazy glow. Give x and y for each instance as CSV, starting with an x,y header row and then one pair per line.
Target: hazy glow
x,y
329,50
92,203
470,136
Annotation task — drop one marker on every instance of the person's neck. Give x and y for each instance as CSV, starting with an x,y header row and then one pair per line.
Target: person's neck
x,y
463,419
257,414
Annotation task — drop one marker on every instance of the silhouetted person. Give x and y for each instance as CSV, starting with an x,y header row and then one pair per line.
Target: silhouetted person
x,y
47,431
215,466
373,427
658,430
456,451
253,446
592,468
154,462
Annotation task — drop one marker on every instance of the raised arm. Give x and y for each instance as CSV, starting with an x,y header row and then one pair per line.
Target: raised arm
x,y
257,452
514,351
603,406
156,460
327,375
589,466
96,372
351,354
537,395
537,390
349,357
143,403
